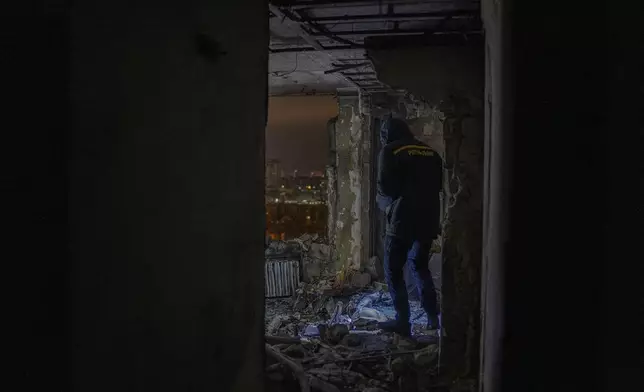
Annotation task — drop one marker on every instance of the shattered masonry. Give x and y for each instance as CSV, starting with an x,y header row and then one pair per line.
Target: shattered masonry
x,y
327,336
348,147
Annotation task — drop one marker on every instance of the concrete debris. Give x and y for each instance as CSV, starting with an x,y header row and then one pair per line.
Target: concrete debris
x,y
276,323
361,280
320,303
282,249
372,269
399,365
329,305
335,333
327,340
369,314
312,246
300,303
311,330
426,357
337,313
327,367
295,351
319,251
311,271
352,340
379,286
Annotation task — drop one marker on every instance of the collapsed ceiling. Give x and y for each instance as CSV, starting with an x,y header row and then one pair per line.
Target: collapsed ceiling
x,y
319,46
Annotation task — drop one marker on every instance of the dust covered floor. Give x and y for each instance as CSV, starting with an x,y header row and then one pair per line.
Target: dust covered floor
x,y
324,339
292,316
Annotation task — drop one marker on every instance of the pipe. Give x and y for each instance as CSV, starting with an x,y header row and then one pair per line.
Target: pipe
x,y
343,67
309,49
369,80
393,17
356,3
358,73
389,32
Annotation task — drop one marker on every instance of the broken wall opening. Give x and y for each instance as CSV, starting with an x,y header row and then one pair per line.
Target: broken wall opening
x,y
297,245
296,156
437,94
331,323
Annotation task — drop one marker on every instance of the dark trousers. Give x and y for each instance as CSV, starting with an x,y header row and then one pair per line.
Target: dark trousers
x,y
399,251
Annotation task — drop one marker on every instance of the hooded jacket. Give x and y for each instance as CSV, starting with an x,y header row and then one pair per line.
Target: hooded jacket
x,y
409,182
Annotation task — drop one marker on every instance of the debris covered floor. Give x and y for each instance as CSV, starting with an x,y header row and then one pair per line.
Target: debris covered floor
x,y
326,338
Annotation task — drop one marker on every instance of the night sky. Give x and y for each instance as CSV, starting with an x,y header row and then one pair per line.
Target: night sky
x,y
296,133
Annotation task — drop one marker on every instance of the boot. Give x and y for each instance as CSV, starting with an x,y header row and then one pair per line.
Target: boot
x,y
433,322
395,326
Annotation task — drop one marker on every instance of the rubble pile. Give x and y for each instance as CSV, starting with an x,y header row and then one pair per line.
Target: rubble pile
x,y
341,360
322,302
313,303
315,257
327,339
282,249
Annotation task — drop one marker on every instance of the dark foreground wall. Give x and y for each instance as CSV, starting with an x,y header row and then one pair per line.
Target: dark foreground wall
x,y
166,195
141,214
576,85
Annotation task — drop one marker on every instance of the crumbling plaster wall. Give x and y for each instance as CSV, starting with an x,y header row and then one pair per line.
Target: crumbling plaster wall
x,y
366,186
351,129
332,190
445,110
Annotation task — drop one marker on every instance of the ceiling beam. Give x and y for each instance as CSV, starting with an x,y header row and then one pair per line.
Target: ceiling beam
x,y
354,3
415,41
369,80
309,49
393,17
348,60
295,27
391,32
358,73
341,68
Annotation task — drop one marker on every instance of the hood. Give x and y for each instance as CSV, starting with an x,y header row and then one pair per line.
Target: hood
x,y
394,129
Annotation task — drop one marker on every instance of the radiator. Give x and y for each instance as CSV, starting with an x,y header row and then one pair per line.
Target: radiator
x,y
281,277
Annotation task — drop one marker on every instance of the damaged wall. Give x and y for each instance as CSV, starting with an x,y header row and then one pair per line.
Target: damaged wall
x,y
166,264
450,79
332,189
367,190
349,144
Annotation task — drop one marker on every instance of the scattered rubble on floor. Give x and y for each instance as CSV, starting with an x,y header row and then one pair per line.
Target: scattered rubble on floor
x,y
326,364
327,339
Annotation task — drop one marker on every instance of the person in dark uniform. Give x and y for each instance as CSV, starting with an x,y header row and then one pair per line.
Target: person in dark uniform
x,y
409,183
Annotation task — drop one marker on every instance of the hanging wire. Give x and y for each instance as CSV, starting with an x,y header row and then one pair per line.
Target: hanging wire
x,y
285,73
